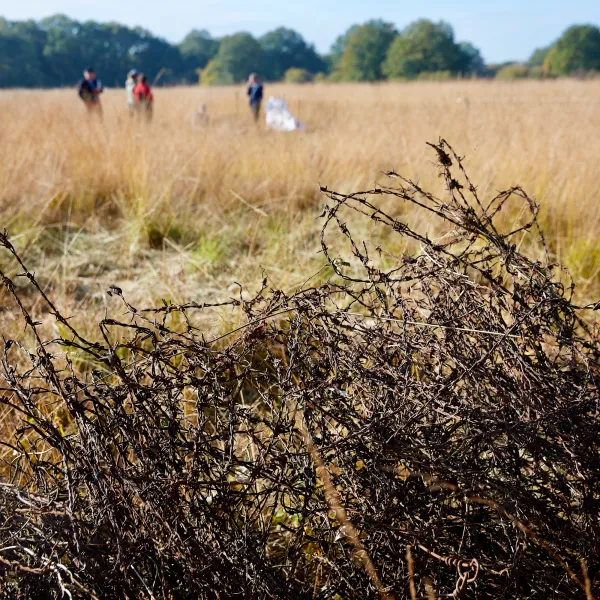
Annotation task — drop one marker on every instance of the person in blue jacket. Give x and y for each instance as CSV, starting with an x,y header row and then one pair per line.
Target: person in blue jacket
x,y
89,90
255,92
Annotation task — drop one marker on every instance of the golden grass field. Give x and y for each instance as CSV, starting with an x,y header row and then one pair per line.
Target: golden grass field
x,y
169,211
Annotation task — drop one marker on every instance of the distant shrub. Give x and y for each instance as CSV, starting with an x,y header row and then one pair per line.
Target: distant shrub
x,y
539,73
336,77
295,75
435,76
320,77
512,72
212,74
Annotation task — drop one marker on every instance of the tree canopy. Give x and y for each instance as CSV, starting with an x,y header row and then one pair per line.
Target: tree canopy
x,y
238,56
365,49
338,47
538,56
21,48
53,52
578,49
286,49
197,49
427,47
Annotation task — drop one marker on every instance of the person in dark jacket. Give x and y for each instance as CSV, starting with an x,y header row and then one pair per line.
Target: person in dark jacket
x,y
89,89
255,92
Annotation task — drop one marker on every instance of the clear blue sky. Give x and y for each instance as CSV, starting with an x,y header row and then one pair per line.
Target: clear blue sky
x,y
501,29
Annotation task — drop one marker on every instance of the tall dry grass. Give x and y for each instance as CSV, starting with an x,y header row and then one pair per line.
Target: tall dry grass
x,y
169,211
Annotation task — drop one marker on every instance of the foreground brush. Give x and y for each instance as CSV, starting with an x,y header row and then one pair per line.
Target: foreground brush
x,y
422,425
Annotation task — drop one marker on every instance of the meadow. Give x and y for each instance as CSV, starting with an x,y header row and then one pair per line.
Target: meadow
x,y
319,426
170,211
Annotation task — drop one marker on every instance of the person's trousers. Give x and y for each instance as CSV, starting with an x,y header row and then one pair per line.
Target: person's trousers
x,y
255,110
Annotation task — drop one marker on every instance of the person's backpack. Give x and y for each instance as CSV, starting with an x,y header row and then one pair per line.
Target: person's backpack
x,y
84,91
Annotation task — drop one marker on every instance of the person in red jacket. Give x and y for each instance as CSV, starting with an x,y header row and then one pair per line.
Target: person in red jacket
x,y
143,97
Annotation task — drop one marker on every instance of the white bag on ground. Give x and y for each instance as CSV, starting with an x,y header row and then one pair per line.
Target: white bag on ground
x,y
279,117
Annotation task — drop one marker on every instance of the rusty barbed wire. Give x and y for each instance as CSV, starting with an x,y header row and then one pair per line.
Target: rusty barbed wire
x,y
435,394
467,570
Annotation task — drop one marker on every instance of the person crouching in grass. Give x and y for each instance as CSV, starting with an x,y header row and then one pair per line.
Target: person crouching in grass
x,y
143,97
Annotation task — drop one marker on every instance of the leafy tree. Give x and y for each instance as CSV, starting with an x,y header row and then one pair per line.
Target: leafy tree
x,y
54,51
114,49
238,56
472,62
365,51
577,50
213,75
153,55
427,47
64,54
338,48
197,49
539,56
21,60
110,48
286,48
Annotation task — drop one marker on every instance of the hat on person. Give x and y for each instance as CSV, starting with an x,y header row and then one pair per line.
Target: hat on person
x,y
88,70
133,73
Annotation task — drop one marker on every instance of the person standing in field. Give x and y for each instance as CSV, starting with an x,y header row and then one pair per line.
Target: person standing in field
x,y
89,90
143,97
255,93
130,84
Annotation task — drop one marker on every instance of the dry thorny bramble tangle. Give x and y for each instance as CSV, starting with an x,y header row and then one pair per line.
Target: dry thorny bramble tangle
x,y
422,425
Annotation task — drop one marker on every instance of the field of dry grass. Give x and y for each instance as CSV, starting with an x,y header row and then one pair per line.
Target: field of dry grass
x,y
168,211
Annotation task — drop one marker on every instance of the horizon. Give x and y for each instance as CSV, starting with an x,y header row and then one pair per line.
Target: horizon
x,y
490,28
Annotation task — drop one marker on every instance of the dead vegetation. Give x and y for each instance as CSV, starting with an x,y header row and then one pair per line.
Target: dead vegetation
x,y
421,426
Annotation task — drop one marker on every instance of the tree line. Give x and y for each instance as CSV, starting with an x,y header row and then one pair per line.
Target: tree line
x,y
53,51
